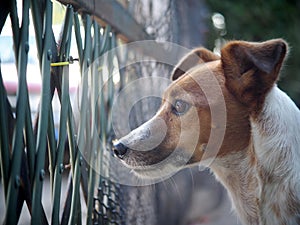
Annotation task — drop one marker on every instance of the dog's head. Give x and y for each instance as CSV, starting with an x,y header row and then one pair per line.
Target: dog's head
x,y
209,101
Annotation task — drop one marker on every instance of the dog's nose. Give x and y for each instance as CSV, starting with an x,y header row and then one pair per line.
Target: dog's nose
x,y
120,150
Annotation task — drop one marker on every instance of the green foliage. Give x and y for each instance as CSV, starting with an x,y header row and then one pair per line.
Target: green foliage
x,y
257,20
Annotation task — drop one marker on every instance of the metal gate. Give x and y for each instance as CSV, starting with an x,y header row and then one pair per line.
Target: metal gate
x,y
32,152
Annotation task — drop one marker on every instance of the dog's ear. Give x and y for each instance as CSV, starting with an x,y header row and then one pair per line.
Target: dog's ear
x,y
195,57
251,69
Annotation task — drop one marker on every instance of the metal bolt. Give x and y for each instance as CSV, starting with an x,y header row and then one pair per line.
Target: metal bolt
x,y
17,181
61,168
49,54
26,47
42,174
80,160
71,60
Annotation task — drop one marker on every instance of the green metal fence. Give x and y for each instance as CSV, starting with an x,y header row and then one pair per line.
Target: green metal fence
x,y
27,149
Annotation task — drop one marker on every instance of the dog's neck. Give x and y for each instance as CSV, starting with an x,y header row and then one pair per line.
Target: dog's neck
x,y
263,180
238,178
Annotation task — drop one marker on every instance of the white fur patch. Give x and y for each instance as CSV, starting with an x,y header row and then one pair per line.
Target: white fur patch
x,y
276,138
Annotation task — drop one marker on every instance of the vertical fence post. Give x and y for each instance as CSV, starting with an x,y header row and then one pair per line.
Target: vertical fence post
x,y
94,112
58,162
43,118
4,139
85,62
14,183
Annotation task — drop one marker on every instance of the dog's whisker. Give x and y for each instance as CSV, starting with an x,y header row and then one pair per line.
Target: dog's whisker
x,y
177,189
192,176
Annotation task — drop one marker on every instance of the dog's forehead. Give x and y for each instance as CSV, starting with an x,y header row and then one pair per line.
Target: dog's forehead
x,y
202,75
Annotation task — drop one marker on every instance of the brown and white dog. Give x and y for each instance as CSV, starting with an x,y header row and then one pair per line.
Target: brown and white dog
x,y
258,160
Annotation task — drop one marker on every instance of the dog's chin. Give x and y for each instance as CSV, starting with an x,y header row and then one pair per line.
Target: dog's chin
x,y
157,171
163,168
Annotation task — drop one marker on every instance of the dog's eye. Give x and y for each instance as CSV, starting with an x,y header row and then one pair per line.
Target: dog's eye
x,y
180,107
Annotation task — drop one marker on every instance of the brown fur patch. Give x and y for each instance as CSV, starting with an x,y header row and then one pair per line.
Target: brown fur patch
x,y
195,57
251,69
237,130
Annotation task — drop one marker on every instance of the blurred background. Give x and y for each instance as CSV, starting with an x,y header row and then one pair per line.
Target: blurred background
x,y
192,196
262,20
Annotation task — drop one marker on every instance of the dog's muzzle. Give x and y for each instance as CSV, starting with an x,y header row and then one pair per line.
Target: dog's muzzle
x,y
142,139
